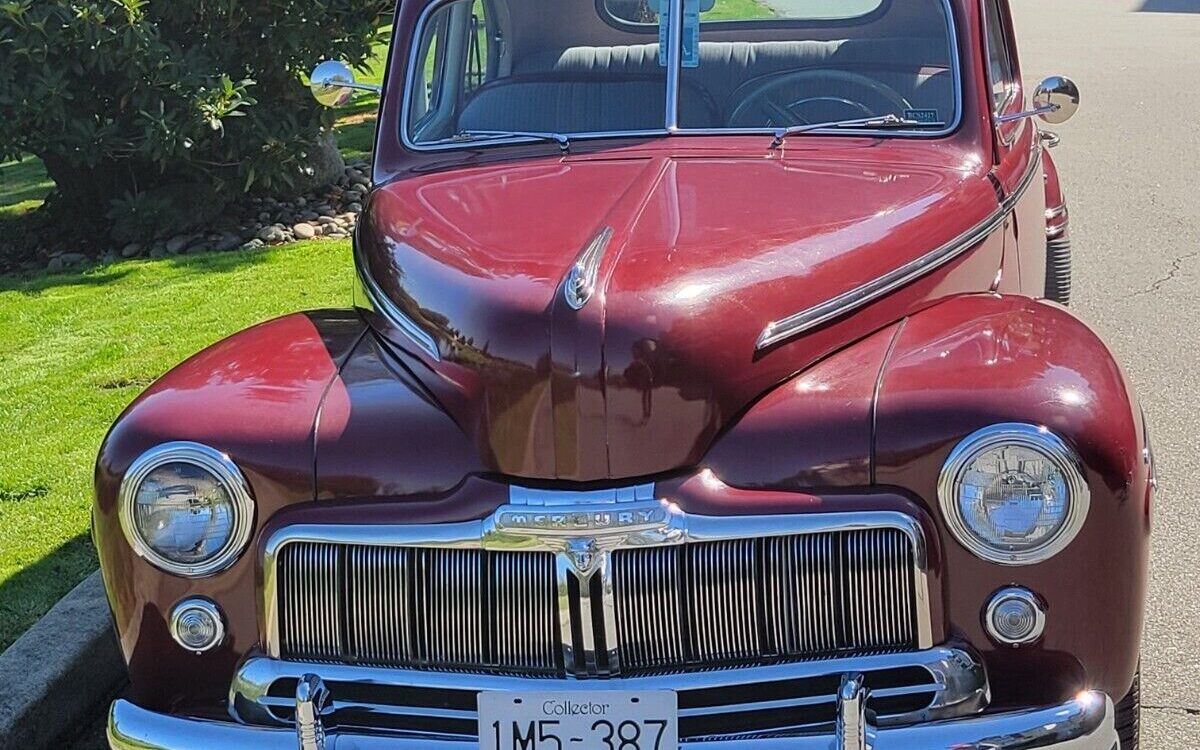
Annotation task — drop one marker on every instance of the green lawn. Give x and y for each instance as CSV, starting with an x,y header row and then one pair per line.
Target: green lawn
x,y
737,10
356,123
77,348
23,186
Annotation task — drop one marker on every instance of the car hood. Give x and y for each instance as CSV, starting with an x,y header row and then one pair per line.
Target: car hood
x,y
699,254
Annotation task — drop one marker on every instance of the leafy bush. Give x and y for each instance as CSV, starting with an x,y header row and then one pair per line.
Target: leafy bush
x,y
140,105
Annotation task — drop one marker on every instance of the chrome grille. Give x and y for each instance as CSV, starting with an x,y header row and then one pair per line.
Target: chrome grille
x,y
643,609
748,600
398,606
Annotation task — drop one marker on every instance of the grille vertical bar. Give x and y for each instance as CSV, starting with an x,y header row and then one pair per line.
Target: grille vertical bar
x,y
398,606
449,604
526,632
310,598
723,601
379,591
648,589
788,596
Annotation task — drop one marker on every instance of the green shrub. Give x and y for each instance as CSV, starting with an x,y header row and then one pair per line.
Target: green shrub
x,y
137,106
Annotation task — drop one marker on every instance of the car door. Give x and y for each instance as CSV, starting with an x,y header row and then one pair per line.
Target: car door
x,y
1017,170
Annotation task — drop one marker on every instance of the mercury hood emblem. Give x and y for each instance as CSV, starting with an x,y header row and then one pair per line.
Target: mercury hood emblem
x,y
583,528
580,283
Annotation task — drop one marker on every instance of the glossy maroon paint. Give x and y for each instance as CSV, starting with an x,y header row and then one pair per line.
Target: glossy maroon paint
x,y
254,396
336,417
641,379
982,360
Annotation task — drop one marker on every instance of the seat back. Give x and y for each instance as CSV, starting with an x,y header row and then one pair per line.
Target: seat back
x,y
573,102
726,66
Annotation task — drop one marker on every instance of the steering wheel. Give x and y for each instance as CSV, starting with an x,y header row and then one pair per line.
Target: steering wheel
x,y
779,101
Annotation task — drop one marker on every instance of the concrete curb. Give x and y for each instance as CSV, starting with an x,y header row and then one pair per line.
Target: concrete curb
x,y
56,678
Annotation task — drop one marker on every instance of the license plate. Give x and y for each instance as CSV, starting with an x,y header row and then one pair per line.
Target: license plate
x,y
579,720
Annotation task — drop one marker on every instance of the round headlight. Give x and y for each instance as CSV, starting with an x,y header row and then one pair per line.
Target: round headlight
x,y
186,508
1013,494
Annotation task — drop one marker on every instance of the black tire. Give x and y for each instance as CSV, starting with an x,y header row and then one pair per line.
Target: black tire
x,y
1058,270
1129,715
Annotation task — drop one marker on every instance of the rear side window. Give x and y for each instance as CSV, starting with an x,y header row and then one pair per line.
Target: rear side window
x,y
646,11
999,60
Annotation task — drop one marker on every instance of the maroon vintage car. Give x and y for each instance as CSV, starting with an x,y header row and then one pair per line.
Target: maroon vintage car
x,y
708,383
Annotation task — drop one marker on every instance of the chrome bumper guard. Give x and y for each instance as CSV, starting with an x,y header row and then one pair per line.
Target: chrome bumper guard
x,y
1085,723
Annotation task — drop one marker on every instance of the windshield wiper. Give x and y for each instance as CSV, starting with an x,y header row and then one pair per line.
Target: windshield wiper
x,y
563,141
884,122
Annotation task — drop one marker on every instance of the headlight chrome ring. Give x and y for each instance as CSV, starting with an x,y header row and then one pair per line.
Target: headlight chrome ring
x,y
1022,436
224,470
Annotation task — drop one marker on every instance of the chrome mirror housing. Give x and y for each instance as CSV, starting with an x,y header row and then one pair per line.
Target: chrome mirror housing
x,y
1056,99
332,84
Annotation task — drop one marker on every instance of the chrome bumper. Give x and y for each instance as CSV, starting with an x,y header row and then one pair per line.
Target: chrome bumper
x,y
1085,723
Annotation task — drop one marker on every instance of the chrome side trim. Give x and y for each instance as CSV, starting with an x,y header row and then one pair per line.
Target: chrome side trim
x,y
805,320
957,677
1057,212
671,124
215,463
583,537
388,309
1029,436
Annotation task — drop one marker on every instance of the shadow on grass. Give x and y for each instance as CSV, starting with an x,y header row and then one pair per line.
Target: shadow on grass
x,y
356,139
23,180
32,591
33,284
1170,6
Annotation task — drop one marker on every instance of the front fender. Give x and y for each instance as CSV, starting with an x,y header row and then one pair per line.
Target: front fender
x,y
254,396
983,359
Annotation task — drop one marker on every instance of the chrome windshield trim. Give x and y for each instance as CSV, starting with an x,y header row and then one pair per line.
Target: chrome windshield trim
x,y
671,126
382,304
956,674
778,331
585,548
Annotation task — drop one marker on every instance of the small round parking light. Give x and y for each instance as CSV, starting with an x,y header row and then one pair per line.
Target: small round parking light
x,y
1015,617
196,625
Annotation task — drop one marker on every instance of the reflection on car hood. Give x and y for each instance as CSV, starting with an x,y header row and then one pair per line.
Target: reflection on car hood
x,y
703,253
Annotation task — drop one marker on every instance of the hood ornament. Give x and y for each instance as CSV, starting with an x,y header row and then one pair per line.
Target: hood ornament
x,y
580,283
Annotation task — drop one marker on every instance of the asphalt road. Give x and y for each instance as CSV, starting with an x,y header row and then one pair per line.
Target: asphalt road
x,y
1130,161
1131,164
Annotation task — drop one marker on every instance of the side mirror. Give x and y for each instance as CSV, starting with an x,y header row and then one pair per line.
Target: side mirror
x,y
1055,100
332,84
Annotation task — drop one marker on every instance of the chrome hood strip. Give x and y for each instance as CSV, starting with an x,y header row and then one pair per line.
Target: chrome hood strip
x,y
805,320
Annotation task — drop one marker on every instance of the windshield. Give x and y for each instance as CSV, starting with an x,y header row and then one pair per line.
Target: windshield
x,y
515,70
